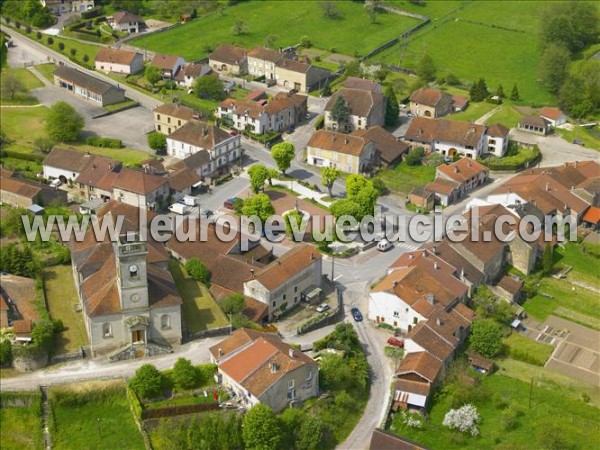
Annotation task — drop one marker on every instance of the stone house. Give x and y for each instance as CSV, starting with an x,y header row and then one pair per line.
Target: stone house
x,y
262,62
229,59
422,198
88,87
126,22
469,174
169,117
366,109
118,61
186,76
446,192
23,193
285,282
18,297
432,103
261,368
389,149
299,75
140,189
347,152
96,179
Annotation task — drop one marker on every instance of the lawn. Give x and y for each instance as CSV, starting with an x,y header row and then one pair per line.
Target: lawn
x,y
200,310
23,125
47,70
507,115
29,82
21,427
528,350
117,106
61,297
98,416
294,20
433,9
81,48
550,412
589,137
404,178
470,44
473,112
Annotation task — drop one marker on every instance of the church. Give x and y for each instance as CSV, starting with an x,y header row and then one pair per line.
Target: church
x,y
130,304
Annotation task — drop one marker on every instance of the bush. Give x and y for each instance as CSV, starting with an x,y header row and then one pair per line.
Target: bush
x,y
415,156
148,382
319,122
5,353
38,35
185,375
104,142
197,270
157,141
50,41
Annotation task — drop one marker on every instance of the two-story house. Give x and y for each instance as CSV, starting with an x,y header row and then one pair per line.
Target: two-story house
x,y
169,65
261,368
186,76
140,189
169,117
353,109
433,103
262,62
497,140
229,59
126,22
299,75
347,152
118,61
460,177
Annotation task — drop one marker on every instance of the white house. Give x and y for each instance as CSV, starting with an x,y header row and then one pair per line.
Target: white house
x,y
387,307
64,164
126,21
554,116
497,140
118,61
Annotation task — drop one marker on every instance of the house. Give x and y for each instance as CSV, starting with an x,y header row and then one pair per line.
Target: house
x,y
363,84
459,103
118,61
229,59
445,191
349,153
262,61
447,137
189,72
169,117
389,149
469,174
422,198
88,87
592,218
23,193
364,109
534,124
140,189
126,22
261,368
286,281
182,181
229,264
554,116
299,75
433,103
416,377
96,179
18,309
497,140
59,7
130,303
168,64
64,164
217,150
282,112
384,440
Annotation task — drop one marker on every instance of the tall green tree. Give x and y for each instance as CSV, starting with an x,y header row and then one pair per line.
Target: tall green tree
x,y
310,434
328,177
572,24
184,374
580,93
479,91
486,337
426,69
259,205
63,123
157,141
392,107
554,66
258,175
197,270
261,429
233,304
209,86
500,91
283,154
514,94
340,111
148,382
152,74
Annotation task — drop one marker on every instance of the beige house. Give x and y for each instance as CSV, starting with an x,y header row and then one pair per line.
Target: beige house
x,y
261,368
299,75
169,65
366,108
349,153
431,103
140,189
118,61
294,277
262,62
229,59
169,117
24,193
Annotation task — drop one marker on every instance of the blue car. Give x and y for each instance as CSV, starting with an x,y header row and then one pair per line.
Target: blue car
x,y
356,315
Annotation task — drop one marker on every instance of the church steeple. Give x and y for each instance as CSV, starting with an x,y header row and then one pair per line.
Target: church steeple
x,y
131,254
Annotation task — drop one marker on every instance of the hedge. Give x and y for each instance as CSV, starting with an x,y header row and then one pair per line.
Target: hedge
x,y
19,155
104,142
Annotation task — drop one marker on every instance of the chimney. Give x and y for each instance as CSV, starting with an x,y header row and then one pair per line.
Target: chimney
x,y
312,256
395,283
439,322
220,352
252,272
430,299
434,250
424,253
455,169
547,186
462,274
436,266
346,141
291,352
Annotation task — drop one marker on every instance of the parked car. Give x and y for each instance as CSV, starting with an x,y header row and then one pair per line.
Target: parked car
x,y
230,203
323,307
233,133
384,245
55,183
396,342
356,314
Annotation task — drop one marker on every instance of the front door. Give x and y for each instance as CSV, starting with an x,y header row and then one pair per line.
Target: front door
x,y
137,336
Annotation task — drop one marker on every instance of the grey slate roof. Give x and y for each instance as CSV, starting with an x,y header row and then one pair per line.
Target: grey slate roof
x,y
84,80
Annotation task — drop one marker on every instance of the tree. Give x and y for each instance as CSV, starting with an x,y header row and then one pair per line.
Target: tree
x,y
63,123
148,382
86,58
354,184
50,40
184,374
197,270
326,89
305,42
426,69
329,175
373,7
414,157
61,46
330,9
340,111
580,93
73,52
554,66
258,175
486,337
233,304
5,352
345,207
194,14
283,155
514,95
38,35
500,91
209,86
464,419
270,40
479,91
271,173
572,24
310,434
260,206
261,429
10,86
547,259
486,305
152,74
392,108
43,144
239,28
157,141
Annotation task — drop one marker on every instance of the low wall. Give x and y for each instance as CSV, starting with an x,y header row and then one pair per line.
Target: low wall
x,y
223,331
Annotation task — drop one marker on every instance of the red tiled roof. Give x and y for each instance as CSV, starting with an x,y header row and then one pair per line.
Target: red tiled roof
x,y
422,129
462,170
550,113
592,215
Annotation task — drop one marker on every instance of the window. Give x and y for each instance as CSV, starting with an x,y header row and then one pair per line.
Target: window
x,y
107,330
406,309
165,322
415,320
295,288
168,120
158,117
290,384
291,394
284,296
274,303
179,122
396,314
158,127
309,376
133,271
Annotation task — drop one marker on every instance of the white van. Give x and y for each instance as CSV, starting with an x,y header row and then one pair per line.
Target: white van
x,y
384,245
178,208
189,200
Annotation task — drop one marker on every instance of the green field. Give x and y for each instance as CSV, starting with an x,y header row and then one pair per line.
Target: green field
x,y
61,298
288,20
471,50
21,427
473,112
200,310
589,137
507,115
96,415
404,178
569,421
47,70
532,351
29,82
81,48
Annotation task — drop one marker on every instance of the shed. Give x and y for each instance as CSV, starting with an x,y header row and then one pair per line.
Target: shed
x,y
481,364
36,209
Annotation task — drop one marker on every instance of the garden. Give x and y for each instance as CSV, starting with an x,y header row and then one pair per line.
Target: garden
x,y
21,419
517,158
403,178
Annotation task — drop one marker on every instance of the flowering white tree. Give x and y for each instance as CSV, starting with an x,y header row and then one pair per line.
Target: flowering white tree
x,y
464,419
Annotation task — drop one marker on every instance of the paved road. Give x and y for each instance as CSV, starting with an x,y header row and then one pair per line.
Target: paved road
x,y
556,150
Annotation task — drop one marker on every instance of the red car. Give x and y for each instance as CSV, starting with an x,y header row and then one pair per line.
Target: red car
x,y
396,342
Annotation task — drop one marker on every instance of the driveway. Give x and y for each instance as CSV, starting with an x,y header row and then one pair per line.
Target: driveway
x,y
21,55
